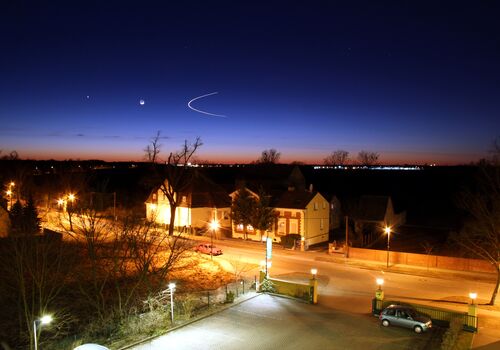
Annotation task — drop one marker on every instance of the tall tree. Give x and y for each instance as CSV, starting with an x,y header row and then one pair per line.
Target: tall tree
x,y
269,156
16,219
31,221
263,216
242,209
175,176
338,157
481,234
368,158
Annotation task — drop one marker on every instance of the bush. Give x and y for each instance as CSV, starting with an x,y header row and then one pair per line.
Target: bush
x,y
267,286
455,337
288,241
229,297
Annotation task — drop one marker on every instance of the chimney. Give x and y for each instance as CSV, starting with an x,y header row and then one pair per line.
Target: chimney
x,y
311,188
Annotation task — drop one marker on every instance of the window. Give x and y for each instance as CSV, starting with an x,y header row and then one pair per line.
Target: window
x,y
315,205
184,199
239,228
320,224
324,205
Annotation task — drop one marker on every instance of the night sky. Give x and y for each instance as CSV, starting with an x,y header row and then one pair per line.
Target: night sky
x,y
417,82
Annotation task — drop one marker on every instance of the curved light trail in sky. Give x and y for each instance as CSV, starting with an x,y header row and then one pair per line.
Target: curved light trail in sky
x,y
203,112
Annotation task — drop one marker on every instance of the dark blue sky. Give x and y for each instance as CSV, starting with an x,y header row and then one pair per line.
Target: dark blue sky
x,y
414,81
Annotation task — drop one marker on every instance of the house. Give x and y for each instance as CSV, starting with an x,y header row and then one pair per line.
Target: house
x,y
201,202
302,212
373,214
298,211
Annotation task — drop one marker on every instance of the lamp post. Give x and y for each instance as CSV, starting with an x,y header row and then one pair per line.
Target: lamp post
x,y
71,198
171,288
387,230
214,225
9,194
41,321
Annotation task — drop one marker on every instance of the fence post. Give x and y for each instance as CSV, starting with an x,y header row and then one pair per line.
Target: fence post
x,y
472,317
208,298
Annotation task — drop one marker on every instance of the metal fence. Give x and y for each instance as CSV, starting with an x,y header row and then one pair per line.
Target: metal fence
x,y
440,317
224,294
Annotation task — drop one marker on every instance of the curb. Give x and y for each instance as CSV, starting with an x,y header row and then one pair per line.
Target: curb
x,y
196,319
415,272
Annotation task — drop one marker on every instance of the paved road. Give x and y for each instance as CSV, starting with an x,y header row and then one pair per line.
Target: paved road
x,y
268,322
350,289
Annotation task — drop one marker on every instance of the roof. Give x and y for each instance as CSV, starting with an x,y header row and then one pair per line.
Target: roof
x,y
372,208
294,199
205,193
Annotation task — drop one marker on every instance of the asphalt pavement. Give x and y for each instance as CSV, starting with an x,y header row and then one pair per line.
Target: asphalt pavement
x,y
270,322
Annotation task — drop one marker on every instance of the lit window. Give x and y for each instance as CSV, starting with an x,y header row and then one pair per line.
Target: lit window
x,y
320,224
315,205
249,228
324,205
239,227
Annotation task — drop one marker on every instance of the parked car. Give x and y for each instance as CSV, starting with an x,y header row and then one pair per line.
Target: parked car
x,y
207,248
405,316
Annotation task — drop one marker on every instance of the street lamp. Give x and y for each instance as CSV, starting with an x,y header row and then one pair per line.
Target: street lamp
x,y
171,288
387,230
214,225
9,193
41,321
314,272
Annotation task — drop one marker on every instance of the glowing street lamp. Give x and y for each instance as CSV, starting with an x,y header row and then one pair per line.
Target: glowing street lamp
x,y
9,194
387,231
71,197
380,282
41,321
171,288
314,272
472,297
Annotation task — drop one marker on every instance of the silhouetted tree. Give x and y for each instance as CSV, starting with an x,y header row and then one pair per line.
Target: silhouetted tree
x,y
242,209
481,234
339,157
31,221
174,177
263,216
368,158
269,156
16,219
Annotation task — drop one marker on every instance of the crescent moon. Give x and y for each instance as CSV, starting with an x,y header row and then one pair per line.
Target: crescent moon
x,y
203,112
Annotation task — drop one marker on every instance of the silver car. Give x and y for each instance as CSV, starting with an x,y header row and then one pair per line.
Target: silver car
x,y
405,316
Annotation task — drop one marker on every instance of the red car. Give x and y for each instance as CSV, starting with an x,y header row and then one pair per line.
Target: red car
x,y
207,248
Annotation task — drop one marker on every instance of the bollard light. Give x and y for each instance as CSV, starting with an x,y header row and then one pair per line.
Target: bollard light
x,y
472,297
380,282
314,272
171,288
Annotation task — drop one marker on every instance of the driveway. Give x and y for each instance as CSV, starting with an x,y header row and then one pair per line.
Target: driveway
x,y
269,322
